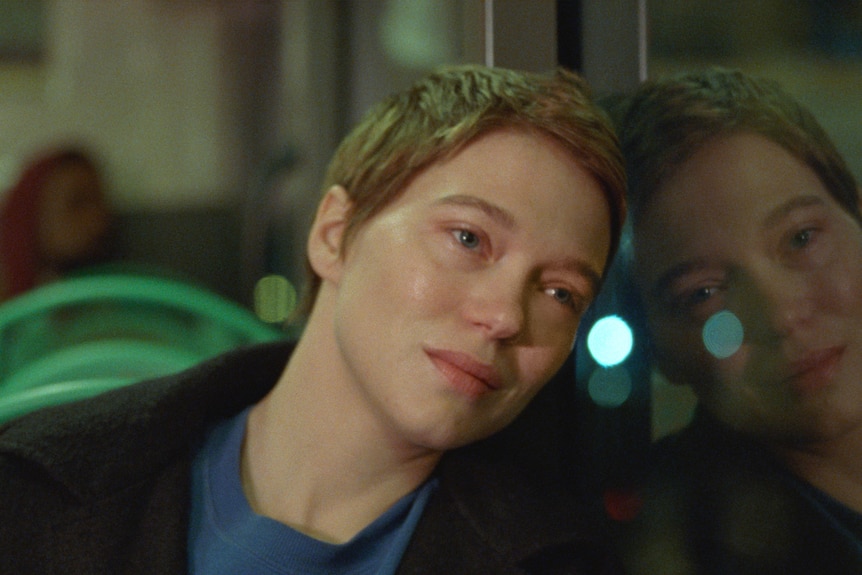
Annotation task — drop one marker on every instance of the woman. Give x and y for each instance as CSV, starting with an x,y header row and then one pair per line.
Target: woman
x,y
465,226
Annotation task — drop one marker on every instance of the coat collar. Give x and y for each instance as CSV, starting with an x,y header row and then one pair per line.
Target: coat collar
x,y
521,519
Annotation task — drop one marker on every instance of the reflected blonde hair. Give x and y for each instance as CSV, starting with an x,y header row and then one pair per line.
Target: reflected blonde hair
x,y
668,120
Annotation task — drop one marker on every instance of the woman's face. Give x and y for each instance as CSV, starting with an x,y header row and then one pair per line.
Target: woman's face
x,y
454,305
74,218
744,252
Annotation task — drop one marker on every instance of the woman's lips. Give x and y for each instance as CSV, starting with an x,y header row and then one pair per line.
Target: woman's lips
x,y
466,375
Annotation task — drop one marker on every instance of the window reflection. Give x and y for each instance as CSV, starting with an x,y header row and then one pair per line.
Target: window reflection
x,y
813,48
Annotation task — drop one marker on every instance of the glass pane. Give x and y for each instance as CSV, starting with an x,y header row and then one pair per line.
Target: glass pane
x,y
812,47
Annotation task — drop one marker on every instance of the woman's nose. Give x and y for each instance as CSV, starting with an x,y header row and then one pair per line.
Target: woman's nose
x,y
498,307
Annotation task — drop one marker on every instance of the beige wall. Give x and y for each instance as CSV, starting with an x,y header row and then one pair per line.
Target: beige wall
x,y
144,83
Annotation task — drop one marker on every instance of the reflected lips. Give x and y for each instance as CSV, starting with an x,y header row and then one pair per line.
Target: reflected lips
x,y
465,375
815,370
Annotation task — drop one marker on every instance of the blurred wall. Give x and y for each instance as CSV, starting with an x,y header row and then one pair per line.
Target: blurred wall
x,y
176,98
150,85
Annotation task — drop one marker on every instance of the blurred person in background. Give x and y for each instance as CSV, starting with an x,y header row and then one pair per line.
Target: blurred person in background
x,y
54,220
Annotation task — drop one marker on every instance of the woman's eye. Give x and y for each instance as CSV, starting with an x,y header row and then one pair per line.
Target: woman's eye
x,y
467,239
562,296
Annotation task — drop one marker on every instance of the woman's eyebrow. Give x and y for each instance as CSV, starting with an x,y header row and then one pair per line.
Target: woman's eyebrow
x,y
493,211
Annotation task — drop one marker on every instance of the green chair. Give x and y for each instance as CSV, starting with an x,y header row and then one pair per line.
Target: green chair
x,y
117,325
126,359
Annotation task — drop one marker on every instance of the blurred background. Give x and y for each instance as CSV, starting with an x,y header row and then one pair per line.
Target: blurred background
x,y
213,120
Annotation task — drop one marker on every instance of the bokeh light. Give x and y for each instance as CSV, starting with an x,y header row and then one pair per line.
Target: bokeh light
x,y
723,334
610,341
274,298
610,386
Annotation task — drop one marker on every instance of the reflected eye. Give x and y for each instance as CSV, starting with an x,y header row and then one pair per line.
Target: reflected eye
x,y
701,295
801,239
467,239
697,302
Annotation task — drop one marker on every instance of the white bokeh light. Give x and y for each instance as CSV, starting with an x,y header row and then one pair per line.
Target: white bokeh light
x,y
610,340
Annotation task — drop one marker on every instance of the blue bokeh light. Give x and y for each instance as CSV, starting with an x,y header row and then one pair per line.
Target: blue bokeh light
x,y
610,387
723,334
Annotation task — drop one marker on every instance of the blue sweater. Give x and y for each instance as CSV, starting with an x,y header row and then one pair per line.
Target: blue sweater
x,y
227,537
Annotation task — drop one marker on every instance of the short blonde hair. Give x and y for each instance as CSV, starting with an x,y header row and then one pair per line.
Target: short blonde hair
x,y
446,110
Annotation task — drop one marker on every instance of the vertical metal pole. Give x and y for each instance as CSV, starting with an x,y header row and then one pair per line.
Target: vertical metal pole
x,y
643,46
489,32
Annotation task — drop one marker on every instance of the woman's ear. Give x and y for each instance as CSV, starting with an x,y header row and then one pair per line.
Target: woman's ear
x,y
327,234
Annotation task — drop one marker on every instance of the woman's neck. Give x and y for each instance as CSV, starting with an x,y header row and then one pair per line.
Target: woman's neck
x,y
314,459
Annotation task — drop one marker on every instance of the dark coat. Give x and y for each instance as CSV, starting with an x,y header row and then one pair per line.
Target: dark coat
x,y
718,503
102,487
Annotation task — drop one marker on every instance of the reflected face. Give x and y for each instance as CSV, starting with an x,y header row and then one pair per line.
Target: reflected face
x,y
74,217
745,227
459,300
